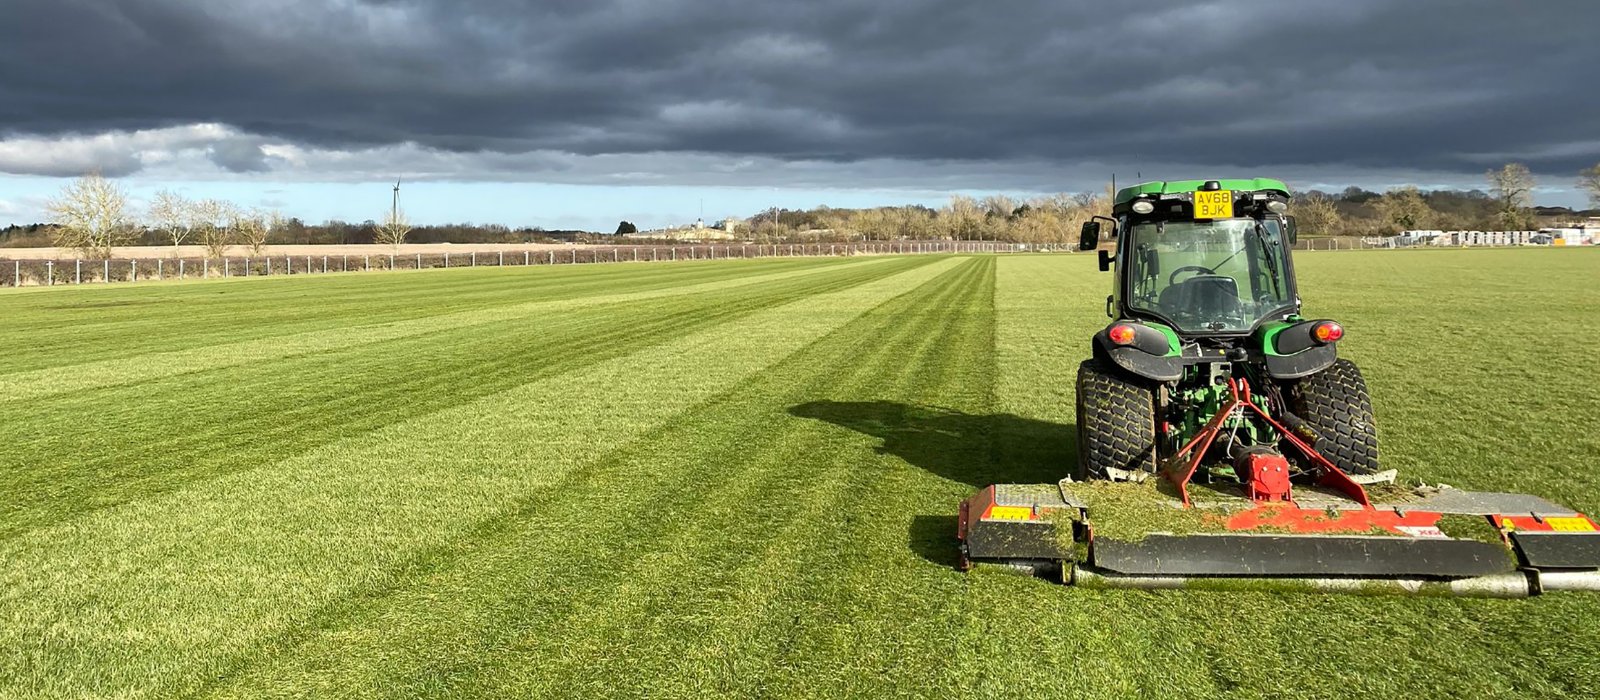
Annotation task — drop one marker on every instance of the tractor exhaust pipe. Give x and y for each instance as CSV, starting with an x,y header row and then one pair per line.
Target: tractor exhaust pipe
x,y
1510,585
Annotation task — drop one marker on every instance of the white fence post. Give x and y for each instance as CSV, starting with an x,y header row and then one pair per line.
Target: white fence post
x,y
49,273
77,272
16,273
227,267
527,257
419,261
552,256
105,272
502,258
180,270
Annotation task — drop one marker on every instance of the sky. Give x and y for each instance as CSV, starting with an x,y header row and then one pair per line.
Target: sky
x,y
580,113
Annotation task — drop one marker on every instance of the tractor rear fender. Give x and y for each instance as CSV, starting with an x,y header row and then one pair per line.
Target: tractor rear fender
x,y
1291,352
1154,353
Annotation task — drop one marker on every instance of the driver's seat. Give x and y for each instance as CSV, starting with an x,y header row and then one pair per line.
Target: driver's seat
x,y
1205,297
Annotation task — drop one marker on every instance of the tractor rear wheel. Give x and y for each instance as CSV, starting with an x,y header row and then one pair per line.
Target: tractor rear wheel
x,y
1335,405
1116,422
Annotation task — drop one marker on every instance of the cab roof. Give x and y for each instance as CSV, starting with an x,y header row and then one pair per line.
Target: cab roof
x,y
1160,187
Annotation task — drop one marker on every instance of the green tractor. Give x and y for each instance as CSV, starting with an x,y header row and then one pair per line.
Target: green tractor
x,y
1204,293
1221,437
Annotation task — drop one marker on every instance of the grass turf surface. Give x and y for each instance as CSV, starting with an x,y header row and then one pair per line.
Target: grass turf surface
x,y
730,477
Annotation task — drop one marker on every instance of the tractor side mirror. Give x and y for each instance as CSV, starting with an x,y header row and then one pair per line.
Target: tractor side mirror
x,y
1089,237
1105,260
1289,230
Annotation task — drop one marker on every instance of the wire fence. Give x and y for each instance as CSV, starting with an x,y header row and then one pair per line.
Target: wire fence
x,y
1447,239
72,271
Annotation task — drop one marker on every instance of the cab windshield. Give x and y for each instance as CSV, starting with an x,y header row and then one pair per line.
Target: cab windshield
x,y
1208,276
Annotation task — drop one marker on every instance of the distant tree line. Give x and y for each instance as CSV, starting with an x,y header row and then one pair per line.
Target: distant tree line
x,y
92,215
1507,205
1047,219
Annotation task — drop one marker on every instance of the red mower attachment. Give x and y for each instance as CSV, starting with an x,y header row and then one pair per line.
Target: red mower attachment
x,y
1181,467
1265,475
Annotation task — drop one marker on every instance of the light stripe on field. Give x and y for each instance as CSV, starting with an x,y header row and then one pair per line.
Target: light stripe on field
x,y
132,599
39,383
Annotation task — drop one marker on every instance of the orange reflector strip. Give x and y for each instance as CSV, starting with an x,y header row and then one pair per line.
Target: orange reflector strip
x,y
1009,513
1567,523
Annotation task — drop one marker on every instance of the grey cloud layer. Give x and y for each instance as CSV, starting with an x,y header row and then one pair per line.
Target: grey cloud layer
x,y
1431,85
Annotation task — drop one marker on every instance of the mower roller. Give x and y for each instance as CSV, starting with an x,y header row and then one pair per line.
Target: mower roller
x,y
1223,443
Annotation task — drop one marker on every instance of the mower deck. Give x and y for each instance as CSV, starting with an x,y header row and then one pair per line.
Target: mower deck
x,y
1499,544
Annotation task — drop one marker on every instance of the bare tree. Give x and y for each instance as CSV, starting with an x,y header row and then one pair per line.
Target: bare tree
x,y
255,228
1405,209
394,228
1589,181
961,218
876,224
169,211
1317,214
913,222
215,225
1039,224
91,215
1512,186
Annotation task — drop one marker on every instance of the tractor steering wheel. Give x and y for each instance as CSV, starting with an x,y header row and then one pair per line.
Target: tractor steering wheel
x,y
1173,278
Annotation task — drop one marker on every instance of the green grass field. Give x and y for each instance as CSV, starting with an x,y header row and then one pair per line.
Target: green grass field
x,y
729,478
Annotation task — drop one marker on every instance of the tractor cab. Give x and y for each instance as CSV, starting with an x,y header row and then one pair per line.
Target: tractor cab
x,y
1204,258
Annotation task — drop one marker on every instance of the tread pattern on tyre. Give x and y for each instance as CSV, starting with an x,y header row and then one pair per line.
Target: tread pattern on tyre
x,y
1334,402
1116,422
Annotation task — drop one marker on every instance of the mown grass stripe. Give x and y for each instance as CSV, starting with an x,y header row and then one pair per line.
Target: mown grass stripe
x,y
76,325
175,588
680,496
626,637
28,385
76,453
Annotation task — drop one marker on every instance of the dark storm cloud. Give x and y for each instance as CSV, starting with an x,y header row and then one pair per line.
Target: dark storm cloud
x,y
1440,85
238,156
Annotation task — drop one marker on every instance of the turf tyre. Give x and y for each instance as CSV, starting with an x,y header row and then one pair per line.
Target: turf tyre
x,y
1334,403
1116,422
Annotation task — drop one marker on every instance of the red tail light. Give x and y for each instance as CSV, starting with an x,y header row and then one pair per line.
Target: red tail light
x,y
1121,334
1327,332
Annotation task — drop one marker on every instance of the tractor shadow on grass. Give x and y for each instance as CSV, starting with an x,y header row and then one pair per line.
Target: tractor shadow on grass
x,y
976,450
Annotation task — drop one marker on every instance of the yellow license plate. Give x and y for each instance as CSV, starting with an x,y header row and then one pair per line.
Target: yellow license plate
x,y
1215,204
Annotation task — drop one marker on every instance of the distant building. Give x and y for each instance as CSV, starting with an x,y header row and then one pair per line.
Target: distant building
x,y
696,232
